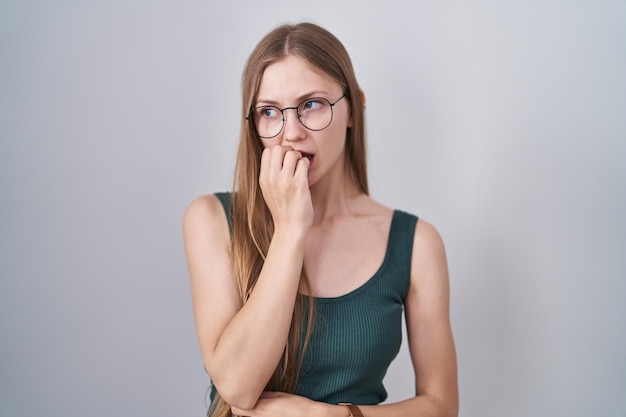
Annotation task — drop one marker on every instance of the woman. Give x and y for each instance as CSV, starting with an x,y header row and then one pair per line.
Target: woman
x,y
299,278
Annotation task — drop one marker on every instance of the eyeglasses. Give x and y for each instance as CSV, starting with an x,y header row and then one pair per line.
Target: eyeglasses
x,y
313,113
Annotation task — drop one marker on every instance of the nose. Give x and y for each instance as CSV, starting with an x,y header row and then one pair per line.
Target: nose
x,y
292,130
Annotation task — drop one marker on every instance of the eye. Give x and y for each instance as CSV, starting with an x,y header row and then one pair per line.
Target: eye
x,y
313,104
268,112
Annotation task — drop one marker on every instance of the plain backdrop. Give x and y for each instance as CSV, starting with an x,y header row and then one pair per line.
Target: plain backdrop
x,y
503,123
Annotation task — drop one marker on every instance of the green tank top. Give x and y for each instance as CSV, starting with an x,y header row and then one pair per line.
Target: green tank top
x,y
357,335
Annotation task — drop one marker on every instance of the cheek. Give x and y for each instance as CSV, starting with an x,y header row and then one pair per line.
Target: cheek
x,y
336,138
268,143
344,115
341,125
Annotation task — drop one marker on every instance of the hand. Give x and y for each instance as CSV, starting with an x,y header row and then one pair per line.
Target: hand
x,y
285,186
280,404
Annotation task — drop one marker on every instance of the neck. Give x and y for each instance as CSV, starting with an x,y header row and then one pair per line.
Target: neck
x,y
334,198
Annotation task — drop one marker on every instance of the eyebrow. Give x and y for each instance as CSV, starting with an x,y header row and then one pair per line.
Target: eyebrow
x,y
298,99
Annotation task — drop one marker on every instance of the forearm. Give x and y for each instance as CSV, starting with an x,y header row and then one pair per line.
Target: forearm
x,y
424,405
252,344
421,406
280,404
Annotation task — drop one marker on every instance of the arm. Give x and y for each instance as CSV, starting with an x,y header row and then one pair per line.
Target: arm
x,y
430,343
242,344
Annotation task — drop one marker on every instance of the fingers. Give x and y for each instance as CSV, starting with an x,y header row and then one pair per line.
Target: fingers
x,y
282,163
280,159
302,168
285,186
290,161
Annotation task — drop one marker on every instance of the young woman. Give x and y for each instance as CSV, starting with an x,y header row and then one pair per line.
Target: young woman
x,y
298,277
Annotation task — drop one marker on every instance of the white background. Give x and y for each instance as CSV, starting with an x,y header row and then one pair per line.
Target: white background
x,y
501,122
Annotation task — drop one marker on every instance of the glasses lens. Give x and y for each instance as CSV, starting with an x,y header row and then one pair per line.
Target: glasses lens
x,y
315,113
268,121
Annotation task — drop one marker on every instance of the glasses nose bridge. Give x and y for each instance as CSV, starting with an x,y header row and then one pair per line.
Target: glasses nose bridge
x,y
297,109
282,111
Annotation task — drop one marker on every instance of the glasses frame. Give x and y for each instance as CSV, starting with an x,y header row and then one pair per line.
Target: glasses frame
x,y
250,117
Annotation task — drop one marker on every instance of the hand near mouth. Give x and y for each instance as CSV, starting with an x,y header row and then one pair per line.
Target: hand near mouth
x,y
307,156
284,182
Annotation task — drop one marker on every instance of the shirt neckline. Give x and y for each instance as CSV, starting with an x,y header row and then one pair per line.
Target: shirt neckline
x,y
373,278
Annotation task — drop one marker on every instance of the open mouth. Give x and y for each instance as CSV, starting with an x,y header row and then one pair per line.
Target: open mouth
x,y
307,155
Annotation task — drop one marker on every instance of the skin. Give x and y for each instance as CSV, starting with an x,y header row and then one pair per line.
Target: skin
x,y
323,222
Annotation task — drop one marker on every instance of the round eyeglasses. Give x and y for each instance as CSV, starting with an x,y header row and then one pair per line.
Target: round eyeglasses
x,y
314,113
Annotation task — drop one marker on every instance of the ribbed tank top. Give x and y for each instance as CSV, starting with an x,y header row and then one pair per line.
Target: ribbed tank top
x,y
357,335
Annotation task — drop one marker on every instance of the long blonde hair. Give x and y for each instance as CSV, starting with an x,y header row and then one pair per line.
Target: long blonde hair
x,y
252,222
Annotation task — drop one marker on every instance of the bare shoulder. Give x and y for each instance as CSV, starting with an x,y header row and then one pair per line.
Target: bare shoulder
x,y
206,239
427,237
205,218
429,254
207,205
205,210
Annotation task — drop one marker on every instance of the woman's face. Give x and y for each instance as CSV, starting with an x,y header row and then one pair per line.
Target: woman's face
x,y
286,83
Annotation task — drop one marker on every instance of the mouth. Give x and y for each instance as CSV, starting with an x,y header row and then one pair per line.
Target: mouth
x,y
307,155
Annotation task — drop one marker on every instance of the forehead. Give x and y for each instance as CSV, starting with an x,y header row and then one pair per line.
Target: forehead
x,y
291,78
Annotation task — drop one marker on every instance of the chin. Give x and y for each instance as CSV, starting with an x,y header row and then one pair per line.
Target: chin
x,y
312,179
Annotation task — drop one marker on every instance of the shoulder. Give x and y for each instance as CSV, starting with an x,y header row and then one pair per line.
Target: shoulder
x,y
202,208
204,216
423,236
429,255
427,237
